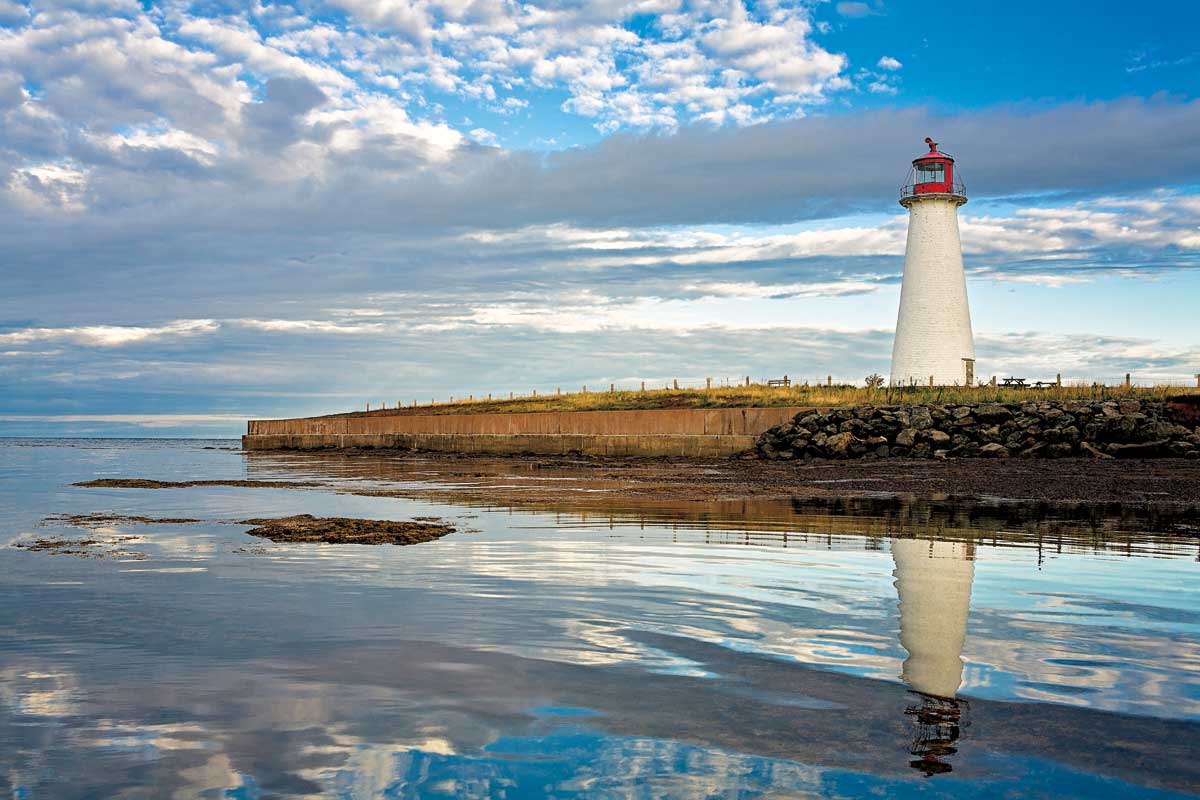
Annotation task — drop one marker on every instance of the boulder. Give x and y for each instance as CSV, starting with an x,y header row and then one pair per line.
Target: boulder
x,y
937,438
920,418
993,450
991,412
840,445
907,437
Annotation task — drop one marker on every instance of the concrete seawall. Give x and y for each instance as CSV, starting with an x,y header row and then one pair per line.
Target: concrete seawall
x,y
659,432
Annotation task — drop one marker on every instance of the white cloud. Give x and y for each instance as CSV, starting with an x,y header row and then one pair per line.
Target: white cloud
x,y
111,335
888,63
311,326
49,187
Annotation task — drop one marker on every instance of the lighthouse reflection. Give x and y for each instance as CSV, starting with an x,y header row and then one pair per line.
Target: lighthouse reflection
x,y
933,581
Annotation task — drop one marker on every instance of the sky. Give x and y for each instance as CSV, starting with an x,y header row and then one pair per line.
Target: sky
x,y
211,212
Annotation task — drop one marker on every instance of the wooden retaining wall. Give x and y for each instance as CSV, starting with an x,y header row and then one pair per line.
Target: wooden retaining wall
x,y
660,432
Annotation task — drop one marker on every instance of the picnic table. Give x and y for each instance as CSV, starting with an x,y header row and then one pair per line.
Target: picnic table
x,y
1017,383
784,381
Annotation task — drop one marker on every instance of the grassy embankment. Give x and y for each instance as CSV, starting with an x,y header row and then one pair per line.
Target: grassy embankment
x,y
764,396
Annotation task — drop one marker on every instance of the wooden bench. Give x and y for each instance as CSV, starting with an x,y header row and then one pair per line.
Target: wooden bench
x,y
779,381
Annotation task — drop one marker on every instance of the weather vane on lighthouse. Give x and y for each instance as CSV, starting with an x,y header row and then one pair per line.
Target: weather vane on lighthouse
x,y
933,329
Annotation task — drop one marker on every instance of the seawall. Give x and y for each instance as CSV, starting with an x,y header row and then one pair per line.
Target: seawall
x,y
1126,428
660,432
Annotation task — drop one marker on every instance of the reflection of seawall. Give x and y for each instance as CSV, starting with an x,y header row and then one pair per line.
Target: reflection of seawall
x,y
933,580
664,432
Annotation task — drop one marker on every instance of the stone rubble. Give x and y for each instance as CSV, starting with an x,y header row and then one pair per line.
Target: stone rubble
x,y
1036,429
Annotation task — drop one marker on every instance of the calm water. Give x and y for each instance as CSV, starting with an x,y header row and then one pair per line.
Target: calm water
x,y
796,652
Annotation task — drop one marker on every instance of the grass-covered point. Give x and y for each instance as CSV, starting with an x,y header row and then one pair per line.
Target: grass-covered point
x,y
762,396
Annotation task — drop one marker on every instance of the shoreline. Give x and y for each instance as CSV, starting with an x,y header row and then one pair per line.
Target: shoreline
x,y
1161,483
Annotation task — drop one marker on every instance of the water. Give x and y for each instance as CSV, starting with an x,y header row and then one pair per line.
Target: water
x,y
569,642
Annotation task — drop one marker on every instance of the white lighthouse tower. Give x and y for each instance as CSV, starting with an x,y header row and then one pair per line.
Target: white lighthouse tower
x,y
933,330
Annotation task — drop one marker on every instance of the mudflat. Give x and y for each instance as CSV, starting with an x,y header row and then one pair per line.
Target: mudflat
x,y
1174,482
345,530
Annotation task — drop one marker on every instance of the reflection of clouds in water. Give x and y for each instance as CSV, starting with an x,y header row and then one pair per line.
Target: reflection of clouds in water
x,y
567,762
39,691
1109,669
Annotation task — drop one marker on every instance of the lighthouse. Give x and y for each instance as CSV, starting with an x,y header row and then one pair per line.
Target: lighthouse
x,y
933,343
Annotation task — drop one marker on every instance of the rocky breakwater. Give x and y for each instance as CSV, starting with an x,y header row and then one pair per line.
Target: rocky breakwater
x,y
1036,429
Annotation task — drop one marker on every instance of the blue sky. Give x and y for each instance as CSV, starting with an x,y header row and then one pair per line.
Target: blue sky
x,y
213,211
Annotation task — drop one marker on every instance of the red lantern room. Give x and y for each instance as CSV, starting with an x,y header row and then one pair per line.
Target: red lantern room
x,y
932,174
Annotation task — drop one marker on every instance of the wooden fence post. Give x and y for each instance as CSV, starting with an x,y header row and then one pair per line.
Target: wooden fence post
x,y
829,381
1058,380
708,383
676,383
993,381
1128,382
747,380
930,381
1197,383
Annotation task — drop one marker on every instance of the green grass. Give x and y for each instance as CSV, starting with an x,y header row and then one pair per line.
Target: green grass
x,y
766,397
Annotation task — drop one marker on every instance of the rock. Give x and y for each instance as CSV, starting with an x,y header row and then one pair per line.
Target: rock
x,y
937,438
1093,451
961,412
940,455
906,437
1129,406
1139,449
993,450
839,445
992,413
921,418
920,451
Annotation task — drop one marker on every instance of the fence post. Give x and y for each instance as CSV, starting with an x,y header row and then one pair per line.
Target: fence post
x,y
1197,383
675,382
585,388
1058,380
747,380
930,381
993,381
535,392
1198,380
612,387
829,381
559,390
510,395
708,383
368,406
1128,383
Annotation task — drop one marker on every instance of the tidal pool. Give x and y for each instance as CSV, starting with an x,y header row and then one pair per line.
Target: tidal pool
x,y
575,642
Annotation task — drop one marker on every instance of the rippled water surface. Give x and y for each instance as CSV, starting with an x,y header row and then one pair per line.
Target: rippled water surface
x,y
565,649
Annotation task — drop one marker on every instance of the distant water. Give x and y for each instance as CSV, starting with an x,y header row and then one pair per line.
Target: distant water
x,y
543,653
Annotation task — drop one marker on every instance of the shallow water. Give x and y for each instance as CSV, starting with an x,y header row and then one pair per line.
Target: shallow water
x,y
616,649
